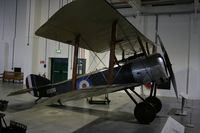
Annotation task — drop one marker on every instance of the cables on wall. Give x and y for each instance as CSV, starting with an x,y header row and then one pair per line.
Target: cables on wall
x,y
45,51
3,24
29,23
14,38
58,50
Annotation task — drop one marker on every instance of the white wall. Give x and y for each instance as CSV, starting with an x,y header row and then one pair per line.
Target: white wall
x,y
14,44
2,57
194,64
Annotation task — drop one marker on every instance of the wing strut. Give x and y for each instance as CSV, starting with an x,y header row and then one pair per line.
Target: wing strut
x,y
154,50
112,52
142,46
74,73
147,48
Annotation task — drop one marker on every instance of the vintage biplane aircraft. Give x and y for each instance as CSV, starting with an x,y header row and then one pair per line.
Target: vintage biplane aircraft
x,y
95,25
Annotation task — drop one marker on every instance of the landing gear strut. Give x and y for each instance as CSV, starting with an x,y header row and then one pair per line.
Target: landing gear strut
x,y
152,99
36,101
145,111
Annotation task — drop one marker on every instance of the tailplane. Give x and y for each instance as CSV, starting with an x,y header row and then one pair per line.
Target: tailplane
x,y
39,84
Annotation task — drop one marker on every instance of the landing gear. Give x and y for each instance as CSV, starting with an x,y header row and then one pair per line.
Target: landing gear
x,y
144,112
60,102
36,101
105,101
153,100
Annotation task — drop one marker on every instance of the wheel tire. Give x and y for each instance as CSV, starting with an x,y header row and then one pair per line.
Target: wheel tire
x,y
144,113
155,102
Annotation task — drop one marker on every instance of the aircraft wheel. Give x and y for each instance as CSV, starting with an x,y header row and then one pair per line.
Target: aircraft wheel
x,y
144,113
155,102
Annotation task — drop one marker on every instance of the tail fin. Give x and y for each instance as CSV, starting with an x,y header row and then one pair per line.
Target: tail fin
x,y
35,81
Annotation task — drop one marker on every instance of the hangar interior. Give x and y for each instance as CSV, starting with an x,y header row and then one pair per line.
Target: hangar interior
x,y
176,21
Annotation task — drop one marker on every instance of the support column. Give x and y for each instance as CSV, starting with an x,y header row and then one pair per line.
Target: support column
x,y
74,72
112,52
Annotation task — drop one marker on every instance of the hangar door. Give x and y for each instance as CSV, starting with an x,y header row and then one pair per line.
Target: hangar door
x,y
81,66
59,69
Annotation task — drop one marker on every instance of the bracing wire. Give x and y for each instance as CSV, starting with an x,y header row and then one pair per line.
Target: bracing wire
x,y
93,59
93,51
95,55
127,38
97,65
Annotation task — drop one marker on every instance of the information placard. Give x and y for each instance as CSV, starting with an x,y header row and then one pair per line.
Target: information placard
x,y
172,126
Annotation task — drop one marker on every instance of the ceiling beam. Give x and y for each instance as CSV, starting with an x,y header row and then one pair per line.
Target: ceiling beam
x,y
161,10
165,2
132,4
135,4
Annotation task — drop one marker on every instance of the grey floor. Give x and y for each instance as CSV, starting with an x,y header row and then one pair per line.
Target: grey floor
x,y
80,117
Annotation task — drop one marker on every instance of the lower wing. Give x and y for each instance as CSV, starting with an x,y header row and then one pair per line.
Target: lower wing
x,y
87,92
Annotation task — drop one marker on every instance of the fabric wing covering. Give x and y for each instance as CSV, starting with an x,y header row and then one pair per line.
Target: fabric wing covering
x,y
92,20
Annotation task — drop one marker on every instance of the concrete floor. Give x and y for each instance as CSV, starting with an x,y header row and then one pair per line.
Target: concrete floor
x,y
80,117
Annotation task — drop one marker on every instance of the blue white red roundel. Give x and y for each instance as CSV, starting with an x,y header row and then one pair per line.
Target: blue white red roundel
x,y
83,83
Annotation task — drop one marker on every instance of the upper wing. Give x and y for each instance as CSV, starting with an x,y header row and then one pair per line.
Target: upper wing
x,y
83,93
92,20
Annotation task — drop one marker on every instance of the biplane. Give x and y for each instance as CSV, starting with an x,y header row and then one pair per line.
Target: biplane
x,y
96,26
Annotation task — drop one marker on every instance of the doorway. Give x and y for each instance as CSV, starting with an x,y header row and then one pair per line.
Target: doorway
x,y
81,66
59,69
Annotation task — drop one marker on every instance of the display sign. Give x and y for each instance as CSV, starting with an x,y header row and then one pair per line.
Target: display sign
x,y
172,126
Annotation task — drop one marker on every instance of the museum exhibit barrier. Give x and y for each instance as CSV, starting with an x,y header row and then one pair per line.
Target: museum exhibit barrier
x,y
15,127
3,105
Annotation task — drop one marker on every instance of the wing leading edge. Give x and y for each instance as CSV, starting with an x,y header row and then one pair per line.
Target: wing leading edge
x,y
92,20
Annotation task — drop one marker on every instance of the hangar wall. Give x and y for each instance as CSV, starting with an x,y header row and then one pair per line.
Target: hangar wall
x,y
178,32
181,37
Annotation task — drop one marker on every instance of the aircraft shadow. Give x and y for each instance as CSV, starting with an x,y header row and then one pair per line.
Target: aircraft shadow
x,y
17,107
105,115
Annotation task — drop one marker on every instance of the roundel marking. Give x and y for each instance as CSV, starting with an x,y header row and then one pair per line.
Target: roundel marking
x,y
84,84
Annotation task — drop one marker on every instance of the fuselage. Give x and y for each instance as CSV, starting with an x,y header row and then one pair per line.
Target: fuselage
x,y
140,70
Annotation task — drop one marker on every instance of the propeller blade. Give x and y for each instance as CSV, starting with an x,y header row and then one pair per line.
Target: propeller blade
x,y
169,66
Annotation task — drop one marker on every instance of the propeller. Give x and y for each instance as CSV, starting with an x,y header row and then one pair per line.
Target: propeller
x,y
169,66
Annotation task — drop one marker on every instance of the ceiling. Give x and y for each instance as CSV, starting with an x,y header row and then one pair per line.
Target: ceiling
x,y
123,3
149,7
165,2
